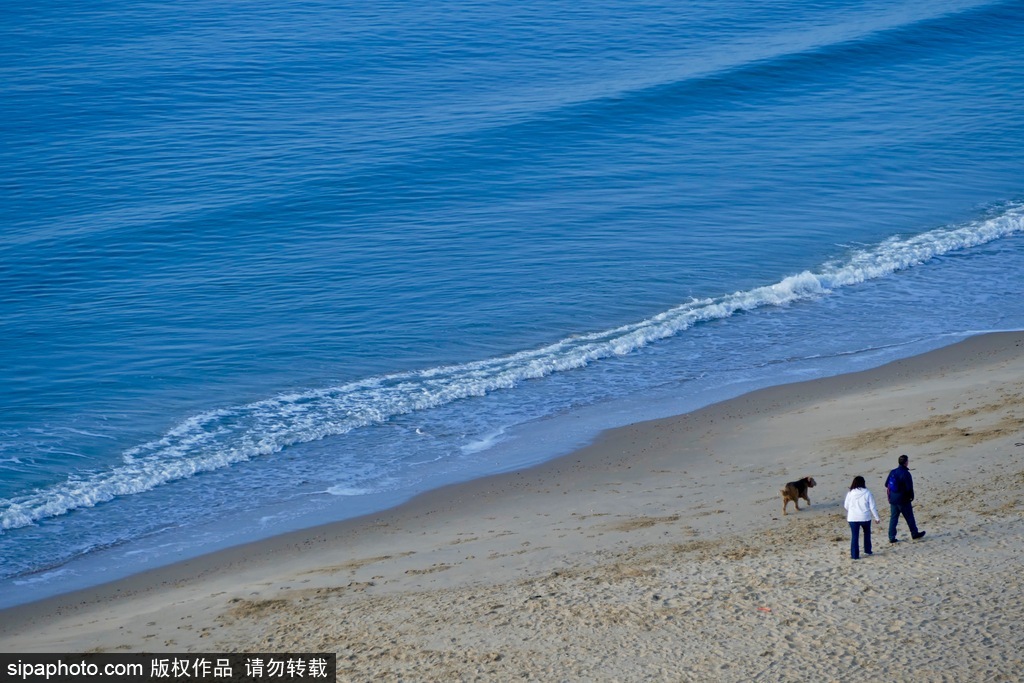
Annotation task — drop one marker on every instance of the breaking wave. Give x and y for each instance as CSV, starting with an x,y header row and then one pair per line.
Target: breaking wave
x,y
219,438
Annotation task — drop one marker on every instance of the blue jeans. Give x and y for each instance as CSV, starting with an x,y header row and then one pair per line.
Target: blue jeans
x,y
855,528
905,509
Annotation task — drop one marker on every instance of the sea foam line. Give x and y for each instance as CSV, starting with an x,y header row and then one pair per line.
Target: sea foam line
x,y
218,438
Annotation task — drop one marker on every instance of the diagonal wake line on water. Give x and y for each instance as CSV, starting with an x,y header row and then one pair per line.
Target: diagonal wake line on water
x,y
219,438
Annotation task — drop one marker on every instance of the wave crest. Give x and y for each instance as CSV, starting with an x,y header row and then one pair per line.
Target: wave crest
x,y
219,438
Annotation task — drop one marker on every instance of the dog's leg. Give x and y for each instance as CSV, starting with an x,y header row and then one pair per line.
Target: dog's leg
x,y
785,502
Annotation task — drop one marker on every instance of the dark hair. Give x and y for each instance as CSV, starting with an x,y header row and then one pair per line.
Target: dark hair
x,y
904,459
858,483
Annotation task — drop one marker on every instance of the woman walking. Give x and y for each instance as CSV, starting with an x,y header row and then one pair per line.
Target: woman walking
x,y
860,509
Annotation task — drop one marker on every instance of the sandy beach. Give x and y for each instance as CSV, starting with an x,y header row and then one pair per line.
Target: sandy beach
x,y
659,552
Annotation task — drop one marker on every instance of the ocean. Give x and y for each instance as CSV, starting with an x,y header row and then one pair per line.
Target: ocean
x,y
268,265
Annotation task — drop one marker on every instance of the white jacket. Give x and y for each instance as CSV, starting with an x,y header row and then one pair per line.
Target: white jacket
x,y
860,506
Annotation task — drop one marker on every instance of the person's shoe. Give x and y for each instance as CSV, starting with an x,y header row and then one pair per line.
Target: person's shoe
x,y
867,553
920,535
894,540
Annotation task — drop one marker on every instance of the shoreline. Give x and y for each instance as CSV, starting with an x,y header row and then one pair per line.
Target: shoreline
x,y
679,503
210,555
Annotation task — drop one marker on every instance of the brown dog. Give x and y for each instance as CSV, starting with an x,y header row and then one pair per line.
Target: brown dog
x,y
795,490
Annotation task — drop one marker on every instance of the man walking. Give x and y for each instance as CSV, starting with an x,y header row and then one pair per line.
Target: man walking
x,y
900,488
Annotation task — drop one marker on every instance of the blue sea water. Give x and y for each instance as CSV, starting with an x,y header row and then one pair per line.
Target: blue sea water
x,y
265,265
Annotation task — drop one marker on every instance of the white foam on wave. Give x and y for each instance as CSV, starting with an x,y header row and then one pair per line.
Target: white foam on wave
x,y
220,438
349,491
484,443
44,577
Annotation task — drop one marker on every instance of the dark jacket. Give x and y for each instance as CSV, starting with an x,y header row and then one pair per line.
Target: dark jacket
x,y
900,486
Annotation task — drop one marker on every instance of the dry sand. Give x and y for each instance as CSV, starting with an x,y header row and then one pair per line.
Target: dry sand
x,y
658,553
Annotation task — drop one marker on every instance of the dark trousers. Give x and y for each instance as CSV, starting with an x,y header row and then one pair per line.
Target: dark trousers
x,y
905,509
855,528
